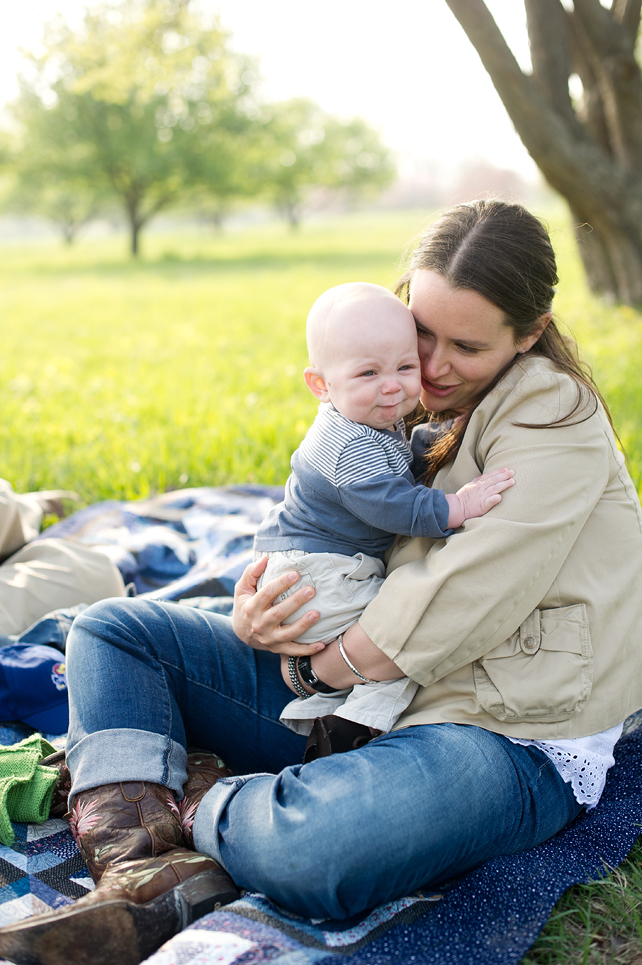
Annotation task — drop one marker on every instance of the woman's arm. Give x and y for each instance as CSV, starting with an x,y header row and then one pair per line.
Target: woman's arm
x,y
363,654
454,601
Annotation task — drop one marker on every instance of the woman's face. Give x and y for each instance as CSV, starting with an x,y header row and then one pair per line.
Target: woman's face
x,y
463,342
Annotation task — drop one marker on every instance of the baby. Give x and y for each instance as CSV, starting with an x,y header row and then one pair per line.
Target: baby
x,y
351,489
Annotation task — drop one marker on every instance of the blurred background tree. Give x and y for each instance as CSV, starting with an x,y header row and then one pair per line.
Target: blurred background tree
x,y
587,144
50,173
143,100
306,149
148,104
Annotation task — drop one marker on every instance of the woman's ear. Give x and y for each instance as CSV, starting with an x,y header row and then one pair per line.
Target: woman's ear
x,y
540,325
316,384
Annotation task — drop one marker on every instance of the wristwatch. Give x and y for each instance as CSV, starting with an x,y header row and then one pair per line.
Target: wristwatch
x,y
308,676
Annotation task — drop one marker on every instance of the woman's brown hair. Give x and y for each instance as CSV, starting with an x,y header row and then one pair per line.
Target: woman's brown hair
x,y
503,252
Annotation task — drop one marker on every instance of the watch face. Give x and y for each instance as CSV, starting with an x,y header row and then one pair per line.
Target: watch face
x,y
310,678
305,670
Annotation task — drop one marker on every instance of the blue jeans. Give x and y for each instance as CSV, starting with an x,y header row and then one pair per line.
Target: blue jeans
x,y
329,839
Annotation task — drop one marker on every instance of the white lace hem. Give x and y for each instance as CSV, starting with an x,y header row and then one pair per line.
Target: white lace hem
x,y
582,762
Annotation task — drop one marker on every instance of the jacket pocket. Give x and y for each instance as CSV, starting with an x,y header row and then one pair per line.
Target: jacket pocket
x,y
544,672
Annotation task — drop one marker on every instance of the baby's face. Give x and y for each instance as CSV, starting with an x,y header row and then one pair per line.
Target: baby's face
x,y
372,375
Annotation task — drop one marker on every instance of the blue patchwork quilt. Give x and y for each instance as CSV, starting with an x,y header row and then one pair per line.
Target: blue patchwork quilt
x,y
191,546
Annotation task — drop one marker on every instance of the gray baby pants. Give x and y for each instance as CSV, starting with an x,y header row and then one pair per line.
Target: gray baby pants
x,y
344,586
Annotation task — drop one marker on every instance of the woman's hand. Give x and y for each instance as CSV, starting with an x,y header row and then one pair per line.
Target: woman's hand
x,y
260,625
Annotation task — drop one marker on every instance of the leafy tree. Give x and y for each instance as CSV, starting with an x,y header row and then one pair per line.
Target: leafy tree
x,y
303,148
589,147
49,175
146,98
65,204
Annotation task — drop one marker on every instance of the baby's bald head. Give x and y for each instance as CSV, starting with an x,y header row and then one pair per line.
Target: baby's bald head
x,y
349,314
363,354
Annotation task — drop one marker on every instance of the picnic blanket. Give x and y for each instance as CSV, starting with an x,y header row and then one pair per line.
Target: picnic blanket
x,y
180,544
490,916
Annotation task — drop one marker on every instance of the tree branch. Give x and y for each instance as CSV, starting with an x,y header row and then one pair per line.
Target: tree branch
x,y
627,13
591,108
601,28
571,163
603,190
610,49
550,54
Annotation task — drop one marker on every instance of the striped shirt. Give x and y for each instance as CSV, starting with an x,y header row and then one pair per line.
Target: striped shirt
x,y
351,490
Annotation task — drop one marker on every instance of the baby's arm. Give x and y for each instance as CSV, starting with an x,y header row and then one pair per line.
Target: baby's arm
x,y
478,496
397,505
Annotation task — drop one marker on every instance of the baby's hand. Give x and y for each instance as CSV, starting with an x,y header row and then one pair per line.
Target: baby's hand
x,y
478,496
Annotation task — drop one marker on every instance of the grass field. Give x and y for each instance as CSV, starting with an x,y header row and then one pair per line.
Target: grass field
x,y
120,379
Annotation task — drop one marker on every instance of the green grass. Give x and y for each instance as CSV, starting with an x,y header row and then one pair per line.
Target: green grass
x,y
596,924
118,379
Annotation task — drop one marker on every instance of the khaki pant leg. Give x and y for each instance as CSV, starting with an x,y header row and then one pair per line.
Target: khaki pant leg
x,y
344,586
49,574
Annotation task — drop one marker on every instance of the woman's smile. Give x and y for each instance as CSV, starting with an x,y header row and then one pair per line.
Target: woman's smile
x,y
441,391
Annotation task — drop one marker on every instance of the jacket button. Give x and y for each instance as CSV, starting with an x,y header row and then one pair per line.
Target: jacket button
x,y
530,644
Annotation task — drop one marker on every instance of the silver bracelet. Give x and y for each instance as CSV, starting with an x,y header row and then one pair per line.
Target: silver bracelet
x,y
354,670
294,677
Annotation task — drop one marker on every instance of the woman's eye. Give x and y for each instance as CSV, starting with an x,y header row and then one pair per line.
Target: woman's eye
x,y
468,349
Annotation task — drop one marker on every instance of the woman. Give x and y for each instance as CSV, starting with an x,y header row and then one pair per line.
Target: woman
x,y
524,627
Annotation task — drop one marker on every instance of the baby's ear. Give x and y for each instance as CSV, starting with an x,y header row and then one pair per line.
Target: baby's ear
x,y
316,384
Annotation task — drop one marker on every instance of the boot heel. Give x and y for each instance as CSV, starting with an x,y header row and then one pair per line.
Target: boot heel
x,y
157,921
204,893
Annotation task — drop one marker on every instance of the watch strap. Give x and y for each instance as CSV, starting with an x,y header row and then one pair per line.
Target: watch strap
x,y
294,677
308,676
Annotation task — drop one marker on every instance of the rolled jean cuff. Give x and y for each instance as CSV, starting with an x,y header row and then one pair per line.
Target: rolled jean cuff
x,y
210,811
124,754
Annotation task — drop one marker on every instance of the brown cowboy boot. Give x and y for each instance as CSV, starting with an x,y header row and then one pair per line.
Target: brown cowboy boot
x,y
203,771
148,888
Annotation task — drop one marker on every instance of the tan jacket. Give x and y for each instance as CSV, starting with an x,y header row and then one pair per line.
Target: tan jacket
x,y
527,621
47,574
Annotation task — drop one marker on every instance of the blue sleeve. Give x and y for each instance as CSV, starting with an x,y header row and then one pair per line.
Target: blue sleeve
x,y
391,502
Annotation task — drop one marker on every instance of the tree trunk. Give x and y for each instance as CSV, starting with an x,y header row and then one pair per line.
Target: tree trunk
x,y
133,203
590,152
293,215
68,233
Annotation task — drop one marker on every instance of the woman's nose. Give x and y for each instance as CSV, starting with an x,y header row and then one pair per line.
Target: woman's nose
x,y
434,364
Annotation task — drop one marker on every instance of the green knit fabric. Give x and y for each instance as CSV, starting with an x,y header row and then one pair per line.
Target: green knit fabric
x,y
26,788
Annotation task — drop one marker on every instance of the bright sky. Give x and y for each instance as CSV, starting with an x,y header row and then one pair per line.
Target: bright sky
x,y
407,67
